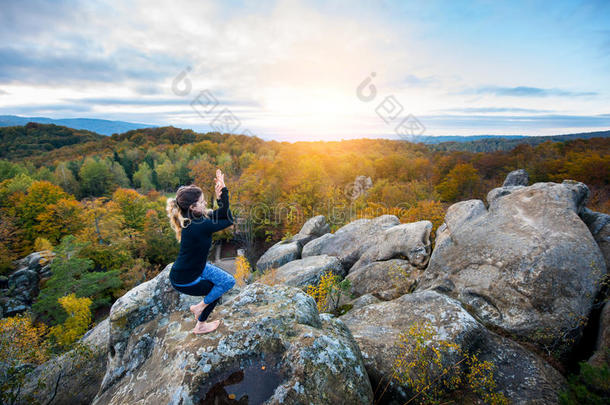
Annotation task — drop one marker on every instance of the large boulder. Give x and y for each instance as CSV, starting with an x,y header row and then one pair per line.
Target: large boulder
x,y
410,241
350,241
520,376
290,249
272,347
395,275
307,271
528,264
73,377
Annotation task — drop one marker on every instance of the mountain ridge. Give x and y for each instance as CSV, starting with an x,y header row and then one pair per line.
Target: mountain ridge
x,y
100,126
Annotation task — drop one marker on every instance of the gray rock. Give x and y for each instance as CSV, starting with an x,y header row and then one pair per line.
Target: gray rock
x,y
307,271
35,261
76,373
22,285
410,241
602,347
516,178
315,226
272,346
350,241
523,377
364,300
377,277
290,249
359,187
499,192
377,327
599,225
528,264
279,254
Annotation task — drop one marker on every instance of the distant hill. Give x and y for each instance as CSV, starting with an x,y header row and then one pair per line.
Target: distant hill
x,y
104,127
491,143
463,138
36,139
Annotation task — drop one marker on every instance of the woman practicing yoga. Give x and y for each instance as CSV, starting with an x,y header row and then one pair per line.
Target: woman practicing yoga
x,y
194,225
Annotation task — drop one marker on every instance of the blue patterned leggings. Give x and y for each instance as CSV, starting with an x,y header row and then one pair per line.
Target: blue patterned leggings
x,y
213,282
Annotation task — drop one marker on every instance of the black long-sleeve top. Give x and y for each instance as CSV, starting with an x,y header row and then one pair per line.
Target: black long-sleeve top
x,y
196,241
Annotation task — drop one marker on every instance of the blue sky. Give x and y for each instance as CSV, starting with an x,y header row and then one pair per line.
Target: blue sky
x,y
290,70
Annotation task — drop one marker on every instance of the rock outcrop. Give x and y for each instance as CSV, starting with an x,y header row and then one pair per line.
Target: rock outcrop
x,y
520,375
290,249
22,285
528,264
272,347
390,278
348,242
307,271
516,178
410,240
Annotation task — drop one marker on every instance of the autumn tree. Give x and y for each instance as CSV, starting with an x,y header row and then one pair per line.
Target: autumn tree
x,y
161,246
132,206
59,219
77,321
37,199
461,183
22,347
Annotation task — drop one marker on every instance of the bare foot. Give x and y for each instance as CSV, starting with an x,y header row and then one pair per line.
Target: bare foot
x,y
205,327
198,309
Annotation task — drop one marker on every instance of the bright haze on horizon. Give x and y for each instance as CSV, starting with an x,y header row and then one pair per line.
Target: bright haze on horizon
x,y
290,70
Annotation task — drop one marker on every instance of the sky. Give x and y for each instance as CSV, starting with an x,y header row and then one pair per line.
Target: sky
x,y
312,70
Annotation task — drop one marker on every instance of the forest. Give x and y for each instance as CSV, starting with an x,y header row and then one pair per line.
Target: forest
x,y
98,202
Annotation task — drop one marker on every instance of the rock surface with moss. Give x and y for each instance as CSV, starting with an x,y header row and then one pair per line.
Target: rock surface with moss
x,y
272,346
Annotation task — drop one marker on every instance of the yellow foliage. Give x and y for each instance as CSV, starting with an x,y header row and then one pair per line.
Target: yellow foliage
x,y
21,341
77,323
242,270
321,292
42,244
422,367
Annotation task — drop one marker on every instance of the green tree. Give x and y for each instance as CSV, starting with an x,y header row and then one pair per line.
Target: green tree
x,y
63,177
71,274
166,175
96,177
8,170
143,179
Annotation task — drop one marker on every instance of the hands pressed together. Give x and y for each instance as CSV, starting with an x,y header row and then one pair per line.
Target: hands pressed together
x,y
219,183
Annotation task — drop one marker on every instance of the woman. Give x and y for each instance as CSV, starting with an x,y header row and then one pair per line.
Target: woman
x,y
194,225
